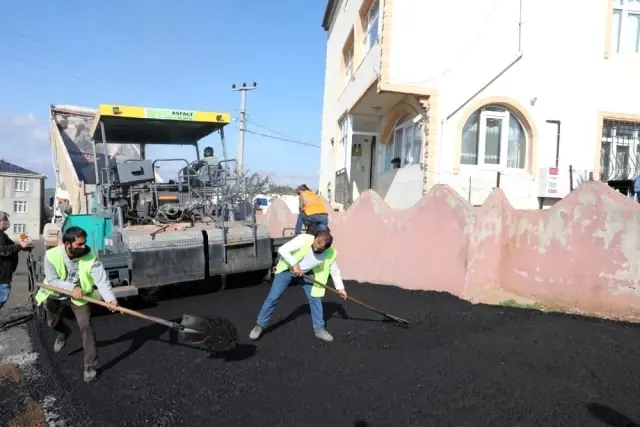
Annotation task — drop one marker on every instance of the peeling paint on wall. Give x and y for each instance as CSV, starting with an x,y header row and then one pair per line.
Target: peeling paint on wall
x,y
583,253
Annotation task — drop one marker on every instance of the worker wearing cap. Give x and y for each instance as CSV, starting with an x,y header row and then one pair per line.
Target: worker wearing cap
x,y
73,267
315,257
312,210
9,257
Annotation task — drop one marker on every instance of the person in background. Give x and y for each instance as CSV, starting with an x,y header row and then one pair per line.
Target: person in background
x,y
395,163
9,257
209,165
312,210
314,257
73,267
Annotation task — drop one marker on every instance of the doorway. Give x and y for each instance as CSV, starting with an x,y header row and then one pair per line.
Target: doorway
x,y
363,146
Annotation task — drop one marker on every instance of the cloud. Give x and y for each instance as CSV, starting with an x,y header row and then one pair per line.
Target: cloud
x,y
24,141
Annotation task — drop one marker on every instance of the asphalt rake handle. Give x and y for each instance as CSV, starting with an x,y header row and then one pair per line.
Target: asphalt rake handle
x,y
357,301
217,334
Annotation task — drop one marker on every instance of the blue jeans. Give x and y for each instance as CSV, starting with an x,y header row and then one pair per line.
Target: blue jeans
x,y
320,220
5,291
281,282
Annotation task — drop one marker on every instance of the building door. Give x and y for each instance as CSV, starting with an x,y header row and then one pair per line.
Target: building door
x,y
360,164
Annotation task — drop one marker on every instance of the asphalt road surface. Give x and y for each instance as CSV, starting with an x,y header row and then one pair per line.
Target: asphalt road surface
x,y
458,365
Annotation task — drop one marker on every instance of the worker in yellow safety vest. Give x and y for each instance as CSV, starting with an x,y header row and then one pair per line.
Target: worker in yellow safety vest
x,y
312,210
314,257
73,267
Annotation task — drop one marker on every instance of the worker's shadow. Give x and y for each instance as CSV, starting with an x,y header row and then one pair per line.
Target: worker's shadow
x,y
610,416
139,337
329,309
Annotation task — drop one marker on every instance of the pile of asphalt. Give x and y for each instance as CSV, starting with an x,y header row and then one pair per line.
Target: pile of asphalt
x,y
458,364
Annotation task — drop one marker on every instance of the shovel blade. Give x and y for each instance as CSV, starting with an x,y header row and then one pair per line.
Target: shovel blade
x,y
196,329
218,334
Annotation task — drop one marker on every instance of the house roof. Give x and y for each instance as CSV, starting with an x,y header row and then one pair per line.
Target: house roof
x,y
10,168
328,12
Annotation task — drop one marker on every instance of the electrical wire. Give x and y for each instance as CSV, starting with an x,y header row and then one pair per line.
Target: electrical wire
x,y
294,141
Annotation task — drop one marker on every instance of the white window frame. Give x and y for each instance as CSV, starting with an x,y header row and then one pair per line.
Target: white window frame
x,y
21,185
19,228
391,149
623,10
348,65
504,141
17,204
344,140
372,13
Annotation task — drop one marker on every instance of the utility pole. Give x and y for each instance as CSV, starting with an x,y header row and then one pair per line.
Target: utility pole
x,y
243,122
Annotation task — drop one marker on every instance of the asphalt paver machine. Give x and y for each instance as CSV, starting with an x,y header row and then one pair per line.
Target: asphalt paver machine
x,y
150,234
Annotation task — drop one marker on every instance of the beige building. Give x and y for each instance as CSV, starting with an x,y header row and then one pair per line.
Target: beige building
x,y
477,94
22,197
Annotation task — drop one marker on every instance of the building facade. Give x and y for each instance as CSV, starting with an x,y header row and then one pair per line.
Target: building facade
x,y
477,94
22,197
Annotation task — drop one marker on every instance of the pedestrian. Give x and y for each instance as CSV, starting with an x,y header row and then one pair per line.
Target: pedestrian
x,y
312,210
9,257
73,267
314,257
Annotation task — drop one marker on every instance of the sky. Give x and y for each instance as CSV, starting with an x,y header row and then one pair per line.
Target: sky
x,y
179,54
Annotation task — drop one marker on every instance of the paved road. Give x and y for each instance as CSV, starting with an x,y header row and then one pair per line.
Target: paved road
x,y
459,365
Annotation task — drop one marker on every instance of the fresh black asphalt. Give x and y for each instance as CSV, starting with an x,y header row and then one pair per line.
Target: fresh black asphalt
x,y
457,365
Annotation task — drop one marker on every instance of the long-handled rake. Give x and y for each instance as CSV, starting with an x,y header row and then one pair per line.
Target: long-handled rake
x,y
400,320
216,334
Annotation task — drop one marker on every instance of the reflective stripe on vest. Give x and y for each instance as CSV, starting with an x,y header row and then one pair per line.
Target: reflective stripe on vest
x,y
321,271
85,264
313,204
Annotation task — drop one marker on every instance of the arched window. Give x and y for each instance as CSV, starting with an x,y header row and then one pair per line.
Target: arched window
x,y
404,144
493,136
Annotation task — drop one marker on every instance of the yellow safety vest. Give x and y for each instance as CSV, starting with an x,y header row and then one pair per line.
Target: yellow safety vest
x,y
85,264
313,204
321,272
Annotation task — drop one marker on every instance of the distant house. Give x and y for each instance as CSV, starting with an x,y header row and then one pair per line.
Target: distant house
x,y
22,197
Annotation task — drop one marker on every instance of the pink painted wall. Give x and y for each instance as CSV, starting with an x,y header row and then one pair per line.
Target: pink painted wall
x,y
582,253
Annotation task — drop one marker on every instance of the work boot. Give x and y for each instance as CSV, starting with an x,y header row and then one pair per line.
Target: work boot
x,y
61,340
324,335
255,333
89,374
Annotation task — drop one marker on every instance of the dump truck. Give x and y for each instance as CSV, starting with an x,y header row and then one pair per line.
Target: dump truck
x,y
150,232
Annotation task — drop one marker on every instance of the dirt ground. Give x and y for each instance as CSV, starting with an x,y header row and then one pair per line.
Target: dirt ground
x,y
457,365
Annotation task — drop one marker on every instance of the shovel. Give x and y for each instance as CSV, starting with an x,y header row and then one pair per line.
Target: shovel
x,y
217,334
387,315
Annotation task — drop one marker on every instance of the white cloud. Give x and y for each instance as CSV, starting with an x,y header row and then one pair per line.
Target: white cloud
x,y
24,141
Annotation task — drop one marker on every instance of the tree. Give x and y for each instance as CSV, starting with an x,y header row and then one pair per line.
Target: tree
x,y
284,190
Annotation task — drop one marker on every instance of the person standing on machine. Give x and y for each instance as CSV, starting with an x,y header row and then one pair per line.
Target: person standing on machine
x,y
73,267
312,210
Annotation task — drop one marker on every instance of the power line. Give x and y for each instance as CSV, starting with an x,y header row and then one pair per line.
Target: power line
x,y
282,139
284,135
